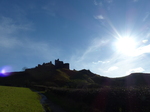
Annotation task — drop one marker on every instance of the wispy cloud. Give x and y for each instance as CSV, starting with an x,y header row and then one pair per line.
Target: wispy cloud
x,y
109,1
84,58
99,17
146,16
135,0
14,44
50,8
40,49
112,68
95,2
10,43
115,65
145,41
141,50
148,35
10,39
96,44
103,62
98,3
137,70
10,26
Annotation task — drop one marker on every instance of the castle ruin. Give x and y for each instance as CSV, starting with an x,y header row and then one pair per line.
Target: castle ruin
x,y
61,64
50,65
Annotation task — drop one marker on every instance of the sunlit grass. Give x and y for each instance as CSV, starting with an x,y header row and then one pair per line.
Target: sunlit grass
x,y
16,99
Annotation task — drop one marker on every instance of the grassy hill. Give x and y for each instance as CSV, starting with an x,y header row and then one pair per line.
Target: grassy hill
x,y
71,79
59,76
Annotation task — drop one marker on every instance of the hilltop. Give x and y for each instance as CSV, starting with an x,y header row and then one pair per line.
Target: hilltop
x,y
60,75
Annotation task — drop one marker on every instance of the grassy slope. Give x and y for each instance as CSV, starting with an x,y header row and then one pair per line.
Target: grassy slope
x,y
15,99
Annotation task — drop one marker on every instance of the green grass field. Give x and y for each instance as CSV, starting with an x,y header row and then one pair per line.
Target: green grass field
x,y
16,99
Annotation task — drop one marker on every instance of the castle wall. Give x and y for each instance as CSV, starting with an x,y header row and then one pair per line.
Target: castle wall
x,y
60,64
48,66
66,65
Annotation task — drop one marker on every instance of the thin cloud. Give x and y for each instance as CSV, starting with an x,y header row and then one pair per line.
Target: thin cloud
x,y
146,17
135,70
50,9
96,44
23,48
10,43
10,26
103,62
109,1
40,50
142,50
135,0
120,68
9,29
144,41
112,68
148,35
99,17
95,2
98,3
28,50
84,58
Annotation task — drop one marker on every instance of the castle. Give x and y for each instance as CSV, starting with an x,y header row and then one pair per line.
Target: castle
x,y
61,64
58,65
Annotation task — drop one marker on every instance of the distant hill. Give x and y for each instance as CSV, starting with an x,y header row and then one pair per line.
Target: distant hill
x,y
59,75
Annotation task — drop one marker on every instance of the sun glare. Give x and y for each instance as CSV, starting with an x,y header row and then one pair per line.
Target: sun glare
x,y
5,71
126,45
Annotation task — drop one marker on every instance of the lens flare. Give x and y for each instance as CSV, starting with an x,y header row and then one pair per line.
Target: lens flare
x,y
5,71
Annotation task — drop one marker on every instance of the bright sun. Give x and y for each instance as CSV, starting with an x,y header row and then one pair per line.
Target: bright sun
x,y
126,45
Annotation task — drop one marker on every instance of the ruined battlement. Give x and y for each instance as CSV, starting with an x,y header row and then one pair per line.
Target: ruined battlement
x,y
61,64
58,65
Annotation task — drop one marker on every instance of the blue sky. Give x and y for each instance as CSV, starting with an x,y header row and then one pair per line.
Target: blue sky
x,y
108,37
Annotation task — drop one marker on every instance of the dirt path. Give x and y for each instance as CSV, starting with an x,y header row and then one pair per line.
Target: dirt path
x,y
54,107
